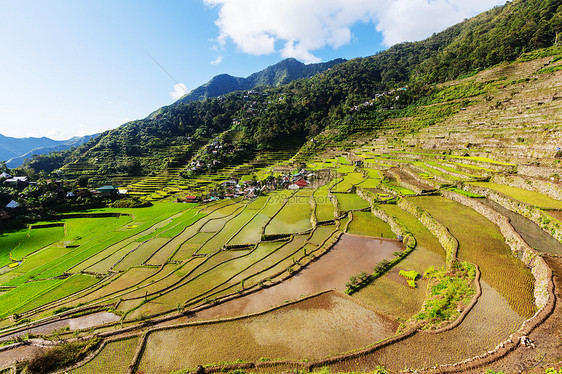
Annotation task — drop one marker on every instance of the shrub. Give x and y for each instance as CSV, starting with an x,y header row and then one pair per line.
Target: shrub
x,y
61,356
130,203
410,277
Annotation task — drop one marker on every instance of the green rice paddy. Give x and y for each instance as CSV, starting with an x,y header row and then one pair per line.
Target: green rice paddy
x,y
525,196
367,224
171,257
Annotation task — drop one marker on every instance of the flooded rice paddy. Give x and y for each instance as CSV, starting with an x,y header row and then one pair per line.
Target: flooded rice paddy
x,y
77,323
529,231
481,243
313,328
488,323
349,256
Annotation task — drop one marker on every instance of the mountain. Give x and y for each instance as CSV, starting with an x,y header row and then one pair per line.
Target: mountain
x,y
281,73
306,108
16,150
14,147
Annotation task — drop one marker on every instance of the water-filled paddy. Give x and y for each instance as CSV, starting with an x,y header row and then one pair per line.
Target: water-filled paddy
x,y
490,322
313,328
77,323
481,243
349,256
529,231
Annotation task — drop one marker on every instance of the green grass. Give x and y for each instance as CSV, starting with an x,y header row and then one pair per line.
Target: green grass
x,y
69,286
367,224
24,242
344,169
525,196
15,299
448,290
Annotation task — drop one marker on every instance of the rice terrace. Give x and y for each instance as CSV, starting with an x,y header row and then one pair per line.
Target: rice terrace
x,y
386,214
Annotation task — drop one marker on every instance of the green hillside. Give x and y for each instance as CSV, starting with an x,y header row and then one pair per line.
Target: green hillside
x,y
305,108
400,212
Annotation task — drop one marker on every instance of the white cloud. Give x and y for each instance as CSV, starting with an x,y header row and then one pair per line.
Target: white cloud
x,y
179,90
56,133
302,26
217,61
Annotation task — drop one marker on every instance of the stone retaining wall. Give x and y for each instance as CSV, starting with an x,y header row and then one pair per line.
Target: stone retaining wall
x,y
448,172
409,186
447,241
488,165
538,171
545,187
544,289
548,225
435,177
427,181
399,230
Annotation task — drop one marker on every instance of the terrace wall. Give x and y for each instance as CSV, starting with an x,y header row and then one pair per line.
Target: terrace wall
x,y
536,215
399,230
545,187
447,241
544,288
435,177
427,181
409,186
538,171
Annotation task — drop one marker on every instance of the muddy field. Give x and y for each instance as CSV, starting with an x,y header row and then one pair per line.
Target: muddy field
x,y
546,338
314,328
349,256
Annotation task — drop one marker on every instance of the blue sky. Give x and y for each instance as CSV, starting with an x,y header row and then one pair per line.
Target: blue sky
x,y
76,67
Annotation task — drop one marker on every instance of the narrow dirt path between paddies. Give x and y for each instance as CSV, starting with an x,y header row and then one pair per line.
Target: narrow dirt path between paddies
x,y
349,256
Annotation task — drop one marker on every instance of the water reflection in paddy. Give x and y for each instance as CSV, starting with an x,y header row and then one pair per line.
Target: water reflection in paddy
x,y
349,256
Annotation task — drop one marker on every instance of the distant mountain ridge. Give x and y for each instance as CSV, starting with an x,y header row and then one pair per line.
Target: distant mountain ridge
x,y
15,150
281,73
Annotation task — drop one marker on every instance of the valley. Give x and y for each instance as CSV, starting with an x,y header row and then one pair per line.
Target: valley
x,y
339,223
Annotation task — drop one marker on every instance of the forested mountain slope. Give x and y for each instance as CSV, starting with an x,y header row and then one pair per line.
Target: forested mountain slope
x,y
305,108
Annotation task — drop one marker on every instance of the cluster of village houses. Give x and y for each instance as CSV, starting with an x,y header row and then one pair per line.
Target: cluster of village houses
x,y
213,156
249,189
378,96
21,182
